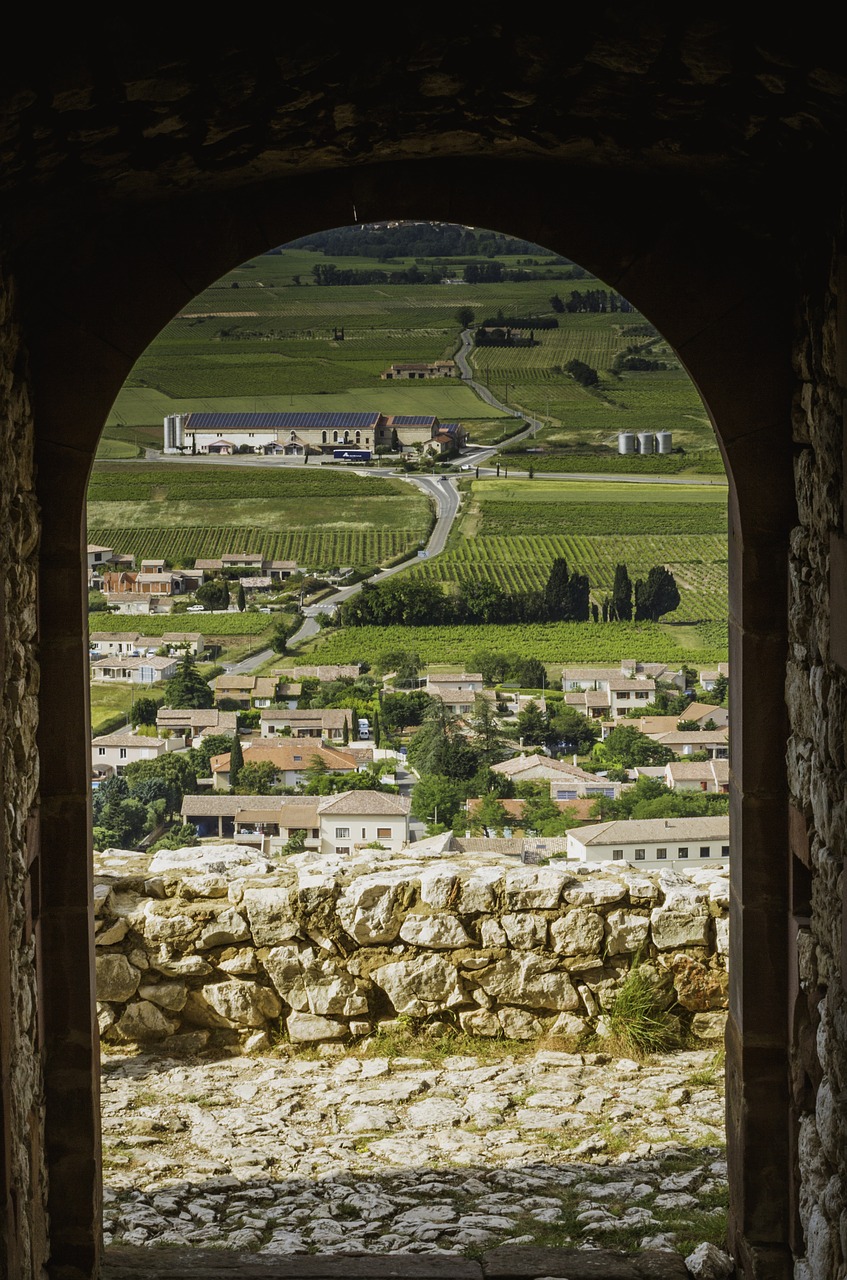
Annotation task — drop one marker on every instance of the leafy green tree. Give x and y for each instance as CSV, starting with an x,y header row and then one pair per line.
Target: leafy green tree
x,y
213,744
543,816
241,598
465,317
533,726
491,815
573,732
256,778
144,710
175,769
439,747
621,603
657,595
403,710
628,747
719,695
582,373
187,689
493,667
280,636
436,800
529,673
213,595
181,836
405,663
485,729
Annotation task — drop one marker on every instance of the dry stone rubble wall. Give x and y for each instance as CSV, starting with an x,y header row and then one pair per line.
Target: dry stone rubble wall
x,y
213,945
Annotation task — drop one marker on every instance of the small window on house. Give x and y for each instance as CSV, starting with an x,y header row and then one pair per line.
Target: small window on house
x,y
705,851
315,832
342,833
123,753
682,852
364,833
343,849
617,855
661,854
298,757
101,751
724,850
639,855
383,833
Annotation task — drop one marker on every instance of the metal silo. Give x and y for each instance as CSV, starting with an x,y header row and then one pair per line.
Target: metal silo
x,y
626,442
664,442
645,442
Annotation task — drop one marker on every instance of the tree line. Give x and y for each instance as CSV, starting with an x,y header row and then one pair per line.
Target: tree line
x,y
566,597
594,301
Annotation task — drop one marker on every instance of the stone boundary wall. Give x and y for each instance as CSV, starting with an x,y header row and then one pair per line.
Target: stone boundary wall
x,y
231,950
23,1182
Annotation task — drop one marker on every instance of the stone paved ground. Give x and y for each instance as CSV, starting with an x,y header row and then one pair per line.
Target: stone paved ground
x,y
295,1155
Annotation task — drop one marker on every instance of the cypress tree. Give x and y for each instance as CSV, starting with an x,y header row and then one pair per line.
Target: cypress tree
x,y
377,730
556,591
242,599
622,595
236,760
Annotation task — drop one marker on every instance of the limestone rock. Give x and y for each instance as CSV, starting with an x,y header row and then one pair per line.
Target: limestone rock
x,y
242,1003
329,992
244,961
529,981
168,995
220,859
519,1024
577,933
207,885
480,889
535,887
269,911
708,1262
161,922
492,933
680,926
440,931
594,891
626,931
179,966
227,928
440,886
419,986
371,909
525,930
111,934
434,1113
304,1028
480,1022
709,1026
117,979
142,1021
568,1025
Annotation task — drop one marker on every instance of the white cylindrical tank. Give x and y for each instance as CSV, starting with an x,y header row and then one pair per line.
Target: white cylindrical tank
x,y
626,442
664,442
169,433
645,442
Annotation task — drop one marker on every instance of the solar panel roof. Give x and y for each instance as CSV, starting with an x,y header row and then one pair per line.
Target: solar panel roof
x,y
279,421
406,420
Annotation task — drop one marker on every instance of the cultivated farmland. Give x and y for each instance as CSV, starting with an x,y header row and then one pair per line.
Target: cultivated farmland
x,y
320,518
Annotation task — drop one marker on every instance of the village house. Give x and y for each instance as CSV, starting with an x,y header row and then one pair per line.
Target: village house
x,y
599,677
248,563
112,752
356,819
419,372
322,722
465,682
145,670
152,579
136,644
698,775
290,758
334,824
715,742
246,690
702,712
594,704
195,724
567,781
653,841
709,677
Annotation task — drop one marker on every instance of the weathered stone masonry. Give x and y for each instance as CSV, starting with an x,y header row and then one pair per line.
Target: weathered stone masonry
x,y
23,1233
321,950
816,692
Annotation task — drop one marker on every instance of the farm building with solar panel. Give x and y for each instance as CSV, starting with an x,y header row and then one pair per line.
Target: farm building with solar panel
x,y
299,434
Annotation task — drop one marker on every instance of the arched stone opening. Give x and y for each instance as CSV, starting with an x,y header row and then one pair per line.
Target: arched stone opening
x,y
710,292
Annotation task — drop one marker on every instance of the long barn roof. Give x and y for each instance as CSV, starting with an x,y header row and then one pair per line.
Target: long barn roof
x,y
278,421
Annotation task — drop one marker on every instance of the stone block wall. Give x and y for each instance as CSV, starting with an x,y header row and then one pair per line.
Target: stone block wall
x,y
816,694
211,945
22,1170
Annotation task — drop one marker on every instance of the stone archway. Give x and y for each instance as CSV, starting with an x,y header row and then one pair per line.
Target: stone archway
x,y
709,290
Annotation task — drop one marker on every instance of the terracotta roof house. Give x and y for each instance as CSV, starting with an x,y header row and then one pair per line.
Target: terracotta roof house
x,y
290,758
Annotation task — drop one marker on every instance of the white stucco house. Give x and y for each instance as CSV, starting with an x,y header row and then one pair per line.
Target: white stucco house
x,y
652,841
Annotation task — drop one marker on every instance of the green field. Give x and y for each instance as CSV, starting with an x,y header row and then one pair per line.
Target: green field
x,y
319,518
553,642
208,624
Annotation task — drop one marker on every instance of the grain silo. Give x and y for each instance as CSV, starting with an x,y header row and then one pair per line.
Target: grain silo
x,y
626,442
664,442
645,442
